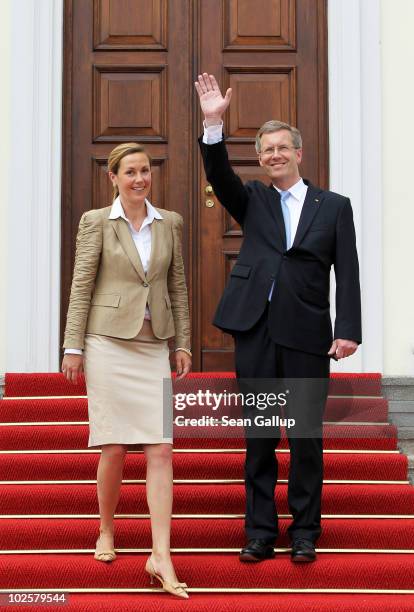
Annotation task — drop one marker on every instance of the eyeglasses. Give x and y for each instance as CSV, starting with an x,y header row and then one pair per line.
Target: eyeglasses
x,y
282,149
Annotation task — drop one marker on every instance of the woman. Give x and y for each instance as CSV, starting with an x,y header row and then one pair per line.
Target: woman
x,y
128,296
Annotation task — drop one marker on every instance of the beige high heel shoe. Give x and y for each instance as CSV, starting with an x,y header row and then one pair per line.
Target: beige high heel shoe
x,y
178,588
104,555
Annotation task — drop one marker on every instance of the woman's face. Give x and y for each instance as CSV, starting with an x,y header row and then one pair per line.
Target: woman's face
x,y
133,178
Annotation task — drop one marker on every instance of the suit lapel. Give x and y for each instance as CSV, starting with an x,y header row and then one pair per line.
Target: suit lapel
x,y
276,211
310,207
124,236
157,232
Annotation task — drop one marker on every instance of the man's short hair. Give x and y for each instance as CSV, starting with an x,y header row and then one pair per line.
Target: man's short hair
x,y
276,126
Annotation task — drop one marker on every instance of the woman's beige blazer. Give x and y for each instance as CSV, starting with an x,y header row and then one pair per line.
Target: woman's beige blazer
x,y
110,289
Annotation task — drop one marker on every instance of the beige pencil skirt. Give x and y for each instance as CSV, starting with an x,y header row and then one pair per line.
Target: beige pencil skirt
x,y
125,387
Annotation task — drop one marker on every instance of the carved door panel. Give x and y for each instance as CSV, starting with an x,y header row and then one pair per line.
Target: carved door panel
x,y
129,68
127,78
272,53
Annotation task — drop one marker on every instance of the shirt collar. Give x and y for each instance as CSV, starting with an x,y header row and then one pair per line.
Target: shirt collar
x,y
117,211
297,190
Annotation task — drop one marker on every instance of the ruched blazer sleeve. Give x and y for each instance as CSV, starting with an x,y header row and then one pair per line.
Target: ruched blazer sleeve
x,y
110,289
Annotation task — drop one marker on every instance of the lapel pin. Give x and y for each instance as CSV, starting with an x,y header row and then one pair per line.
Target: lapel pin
x,y
316,200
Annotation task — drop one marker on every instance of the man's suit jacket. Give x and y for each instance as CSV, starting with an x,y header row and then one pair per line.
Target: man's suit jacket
x,y
110,289
299,314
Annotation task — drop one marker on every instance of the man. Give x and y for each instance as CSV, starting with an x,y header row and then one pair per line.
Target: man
x,y
276,306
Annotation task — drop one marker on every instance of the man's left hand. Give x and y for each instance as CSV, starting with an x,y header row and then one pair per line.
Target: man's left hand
x,y
342,348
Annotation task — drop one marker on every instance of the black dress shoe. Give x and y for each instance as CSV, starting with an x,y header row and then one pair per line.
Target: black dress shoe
x,y
257,550
303,551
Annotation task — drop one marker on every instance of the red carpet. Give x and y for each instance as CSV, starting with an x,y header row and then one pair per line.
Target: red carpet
x,y
65,437
197,465
78,533
231,602
202,499
344,571
33,385
57,409
366,549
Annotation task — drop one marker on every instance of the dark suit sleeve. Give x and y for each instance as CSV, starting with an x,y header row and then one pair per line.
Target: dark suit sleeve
x,y
227,186
348,294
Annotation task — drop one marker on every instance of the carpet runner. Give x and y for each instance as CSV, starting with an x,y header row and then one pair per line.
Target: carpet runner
x,y
49,517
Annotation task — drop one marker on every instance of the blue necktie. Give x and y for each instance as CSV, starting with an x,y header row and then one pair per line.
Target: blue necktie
x,y
286,216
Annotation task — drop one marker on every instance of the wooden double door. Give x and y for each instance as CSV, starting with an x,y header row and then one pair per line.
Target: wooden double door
x,y
129,68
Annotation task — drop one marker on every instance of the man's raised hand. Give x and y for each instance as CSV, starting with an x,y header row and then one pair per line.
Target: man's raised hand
x,y
212,102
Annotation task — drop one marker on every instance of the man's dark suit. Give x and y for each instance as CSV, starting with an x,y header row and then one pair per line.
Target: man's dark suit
x,y
292,335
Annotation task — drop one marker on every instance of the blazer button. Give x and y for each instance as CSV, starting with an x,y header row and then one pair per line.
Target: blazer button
x,y
145,284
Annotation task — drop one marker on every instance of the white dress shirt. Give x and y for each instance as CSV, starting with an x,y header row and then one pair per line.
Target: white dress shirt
x,y
294,202
142,241
213,133
142,238
297,192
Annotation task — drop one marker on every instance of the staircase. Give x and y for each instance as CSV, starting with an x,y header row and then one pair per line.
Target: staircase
x,y
49,512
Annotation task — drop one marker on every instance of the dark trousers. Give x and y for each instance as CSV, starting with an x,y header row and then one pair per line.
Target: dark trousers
x,y
257,356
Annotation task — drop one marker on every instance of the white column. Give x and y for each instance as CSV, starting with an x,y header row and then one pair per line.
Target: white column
x,y
5,131
33,255
355,155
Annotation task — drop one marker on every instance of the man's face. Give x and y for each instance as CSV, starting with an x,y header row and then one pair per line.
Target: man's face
x,y
279,158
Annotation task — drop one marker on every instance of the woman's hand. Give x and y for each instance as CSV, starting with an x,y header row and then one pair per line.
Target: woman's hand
x,y
183,362
72,367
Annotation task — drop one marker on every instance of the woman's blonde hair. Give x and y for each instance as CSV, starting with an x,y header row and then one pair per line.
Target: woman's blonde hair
x,y
115,156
